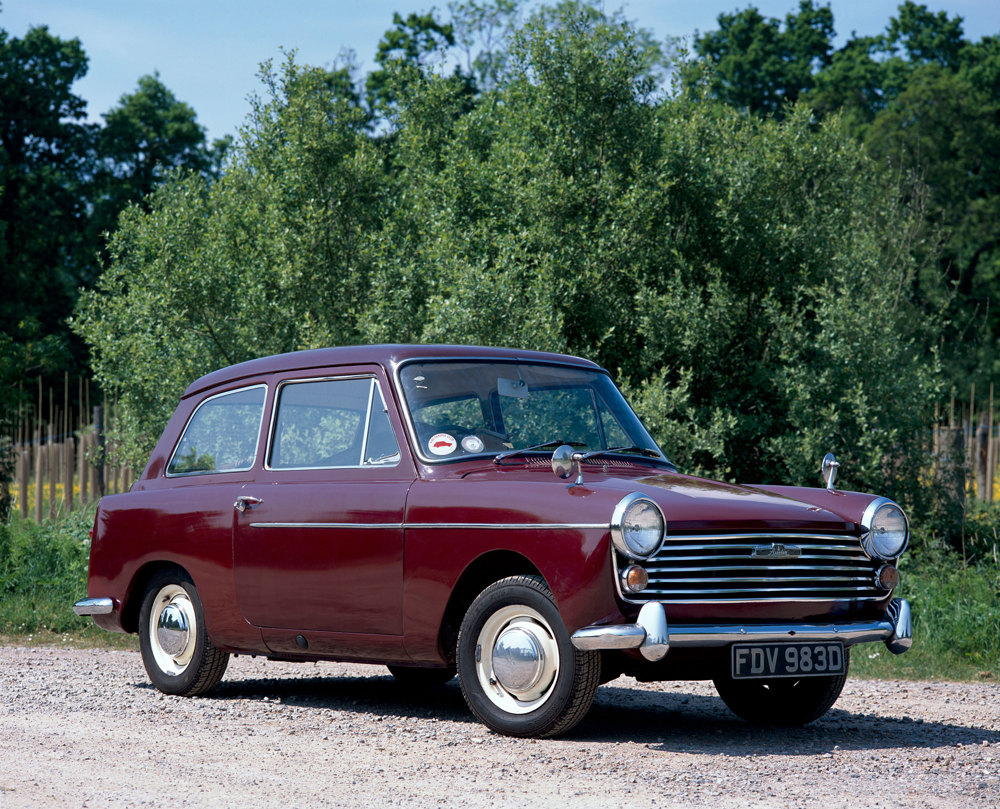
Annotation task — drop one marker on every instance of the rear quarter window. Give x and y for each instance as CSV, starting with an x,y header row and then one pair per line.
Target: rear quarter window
x,y
222,434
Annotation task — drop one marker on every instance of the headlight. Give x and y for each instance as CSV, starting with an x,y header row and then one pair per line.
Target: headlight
x,y
886,529
637,526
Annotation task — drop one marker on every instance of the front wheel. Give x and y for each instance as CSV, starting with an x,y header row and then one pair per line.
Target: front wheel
x,y
520,673
786,702
176,651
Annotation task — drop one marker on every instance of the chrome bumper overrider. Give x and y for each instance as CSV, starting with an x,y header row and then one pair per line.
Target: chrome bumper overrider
x,y
94,606
651,635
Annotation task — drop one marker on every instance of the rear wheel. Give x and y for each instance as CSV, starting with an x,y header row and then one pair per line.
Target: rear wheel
x,y
784,702
520,673
176,651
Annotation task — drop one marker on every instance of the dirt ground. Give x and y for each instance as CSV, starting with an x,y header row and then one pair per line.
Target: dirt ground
x,y
83,728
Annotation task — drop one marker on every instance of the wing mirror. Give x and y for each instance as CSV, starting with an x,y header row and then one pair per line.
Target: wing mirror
x,y
566,463
829,469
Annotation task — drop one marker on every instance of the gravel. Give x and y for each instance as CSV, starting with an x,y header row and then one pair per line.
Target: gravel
x,y
83,728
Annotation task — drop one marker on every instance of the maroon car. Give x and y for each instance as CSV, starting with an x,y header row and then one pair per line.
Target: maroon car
x,y
497,513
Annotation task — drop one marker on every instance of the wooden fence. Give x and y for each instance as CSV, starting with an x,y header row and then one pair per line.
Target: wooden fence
x,y
969,439
60,456
61,459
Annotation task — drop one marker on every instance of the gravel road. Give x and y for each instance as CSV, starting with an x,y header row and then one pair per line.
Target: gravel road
x,y
83,728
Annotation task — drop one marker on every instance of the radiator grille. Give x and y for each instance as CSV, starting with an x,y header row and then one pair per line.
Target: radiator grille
x,y
723,567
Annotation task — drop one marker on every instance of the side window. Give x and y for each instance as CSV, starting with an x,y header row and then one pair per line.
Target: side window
x,y
331,423
221,435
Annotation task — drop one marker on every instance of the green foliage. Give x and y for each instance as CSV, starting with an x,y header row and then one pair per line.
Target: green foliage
x,y
956,622
759,67
981,533
924,101
146,137
402,54
488,26
43,162
742,276
62,184
43,570
270,258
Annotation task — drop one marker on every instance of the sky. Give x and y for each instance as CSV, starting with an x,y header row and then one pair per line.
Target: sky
x,y
208,52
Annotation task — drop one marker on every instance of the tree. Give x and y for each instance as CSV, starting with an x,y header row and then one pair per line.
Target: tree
x,y
43,163
270,257
923,100
403,55
740,275
490,27
759,67
146,137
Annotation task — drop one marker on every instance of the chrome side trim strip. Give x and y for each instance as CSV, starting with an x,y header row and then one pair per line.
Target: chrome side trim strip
x,y
548,526
326,525
520,526
94,606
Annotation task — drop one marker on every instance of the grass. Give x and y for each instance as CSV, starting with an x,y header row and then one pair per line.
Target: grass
x,y
956,610
956,623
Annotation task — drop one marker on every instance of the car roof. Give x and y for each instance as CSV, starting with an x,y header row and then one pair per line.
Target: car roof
x,y
387,355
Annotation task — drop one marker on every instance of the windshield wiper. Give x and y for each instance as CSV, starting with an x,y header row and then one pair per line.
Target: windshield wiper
x,y
511,452
649,453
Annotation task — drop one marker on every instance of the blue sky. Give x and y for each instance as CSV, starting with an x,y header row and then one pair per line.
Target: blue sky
x,y
207,52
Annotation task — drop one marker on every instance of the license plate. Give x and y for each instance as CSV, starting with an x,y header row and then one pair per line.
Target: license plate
x,y
765,660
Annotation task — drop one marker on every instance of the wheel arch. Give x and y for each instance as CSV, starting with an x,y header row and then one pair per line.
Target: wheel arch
x,y
137,590
483,571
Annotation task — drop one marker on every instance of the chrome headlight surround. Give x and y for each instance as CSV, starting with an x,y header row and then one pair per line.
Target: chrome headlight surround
x,y
884,538
637,526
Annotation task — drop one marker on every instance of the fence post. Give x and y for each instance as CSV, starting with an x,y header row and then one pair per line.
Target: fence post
x,y
51,471
39,469
979,461
68,473
100,467
24,476
990,457
81,465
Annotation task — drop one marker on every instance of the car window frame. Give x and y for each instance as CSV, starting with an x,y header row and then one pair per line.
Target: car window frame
x,y
190,420
365,424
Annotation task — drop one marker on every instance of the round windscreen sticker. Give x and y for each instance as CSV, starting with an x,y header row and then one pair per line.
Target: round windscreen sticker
x,y
442,444
472,443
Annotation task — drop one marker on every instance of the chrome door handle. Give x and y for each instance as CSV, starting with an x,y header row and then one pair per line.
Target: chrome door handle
x,y
245,501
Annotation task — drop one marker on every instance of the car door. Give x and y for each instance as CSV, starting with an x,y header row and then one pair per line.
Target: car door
x,y
318,542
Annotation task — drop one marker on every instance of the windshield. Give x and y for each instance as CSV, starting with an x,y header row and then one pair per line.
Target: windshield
x,y
460,409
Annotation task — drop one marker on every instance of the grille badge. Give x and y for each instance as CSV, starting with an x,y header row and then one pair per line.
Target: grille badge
x,y
776,551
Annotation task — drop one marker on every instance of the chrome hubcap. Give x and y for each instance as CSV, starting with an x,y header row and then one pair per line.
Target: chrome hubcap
x,y
517,659
173,629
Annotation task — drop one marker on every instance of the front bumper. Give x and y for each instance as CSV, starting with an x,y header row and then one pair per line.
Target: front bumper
x,y
651,635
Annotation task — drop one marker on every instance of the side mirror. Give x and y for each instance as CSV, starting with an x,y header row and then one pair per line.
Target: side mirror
x,y
829,469
566,463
